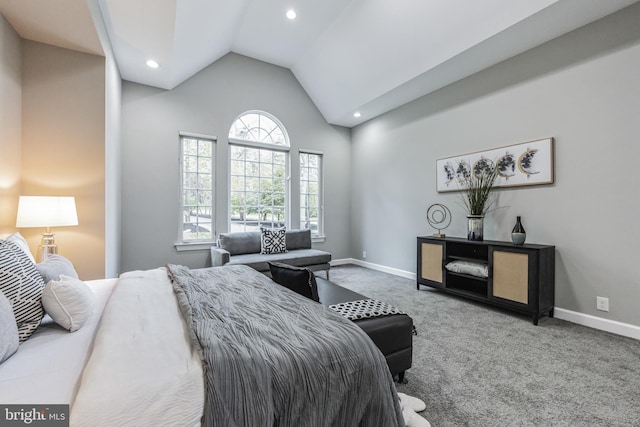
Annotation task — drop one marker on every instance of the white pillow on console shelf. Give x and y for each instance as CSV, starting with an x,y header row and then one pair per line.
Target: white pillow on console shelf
x,y
69,302
469,267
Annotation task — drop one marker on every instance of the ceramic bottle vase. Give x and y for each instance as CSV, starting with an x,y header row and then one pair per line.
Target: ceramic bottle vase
x,y
518,235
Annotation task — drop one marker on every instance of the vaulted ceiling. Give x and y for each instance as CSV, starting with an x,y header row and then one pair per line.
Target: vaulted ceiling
x,y
368,56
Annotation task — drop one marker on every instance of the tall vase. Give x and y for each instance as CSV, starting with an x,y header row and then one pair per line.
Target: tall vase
x,y
518,235
475,227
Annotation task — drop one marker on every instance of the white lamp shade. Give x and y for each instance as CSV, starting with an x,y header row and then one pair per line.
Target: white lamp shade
x,y
46,211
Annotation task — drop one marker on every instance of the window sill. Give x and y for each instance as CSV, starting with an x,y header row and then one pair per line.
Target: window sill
x,y
195,246
205,246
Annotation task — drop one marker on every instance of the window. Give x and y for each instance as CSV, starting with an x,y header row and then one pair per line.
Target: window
x,y
197,205
311,192
259,156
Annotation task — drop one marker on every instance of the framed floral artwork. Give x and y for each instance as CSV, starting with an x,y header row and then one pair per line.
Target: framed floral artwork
x,y
527,163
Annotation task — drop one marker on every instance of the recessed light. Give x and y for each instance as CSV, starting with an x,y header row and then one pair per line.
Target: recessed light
x,y
152,64
356,114
291,14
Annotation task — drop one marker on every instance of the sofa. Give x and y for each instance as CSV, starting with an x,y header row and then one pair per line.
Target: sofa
x,y
393,335
244,248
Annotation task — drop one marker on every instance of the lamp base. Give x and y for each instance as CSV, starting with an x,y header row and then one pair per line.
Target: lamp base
x,y
47,246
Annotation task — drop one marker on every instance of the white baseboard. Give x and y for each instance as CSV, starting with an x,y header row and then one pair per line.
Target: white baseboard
x,y
378,267
612,326
619,328
344,261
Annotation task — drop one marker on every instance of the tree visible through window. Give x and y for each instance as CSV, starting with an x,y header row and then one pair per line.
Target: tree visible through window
x,y
311,192
258,172
197,188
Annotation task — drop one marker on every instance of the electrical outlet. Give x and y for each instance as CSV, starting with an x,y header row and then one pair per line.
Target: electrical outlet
x,y
364,254
602,303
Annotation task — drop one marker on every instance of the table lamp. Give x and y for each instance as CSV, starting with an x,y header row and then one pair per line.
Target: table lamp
x,y
46,211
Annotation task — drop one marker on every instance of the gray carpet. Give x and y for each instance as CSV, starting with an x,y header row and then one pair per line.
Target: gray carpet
x,y
475,365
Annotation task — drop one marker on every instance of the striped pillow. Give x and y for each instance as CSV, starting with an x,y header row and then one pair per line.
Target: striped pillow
x,y
21,283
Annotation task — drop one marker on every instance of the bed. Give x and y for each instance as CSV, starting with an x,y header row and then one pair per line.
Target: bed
x,y
47,367
222,346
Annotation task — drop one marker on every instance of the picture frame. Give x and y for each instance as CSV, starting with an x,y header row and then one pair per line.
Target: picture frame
x,y
523,164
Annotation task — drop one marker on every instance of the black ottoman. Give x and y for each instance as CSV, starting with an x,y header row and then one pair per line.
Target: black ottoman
x,y
393,335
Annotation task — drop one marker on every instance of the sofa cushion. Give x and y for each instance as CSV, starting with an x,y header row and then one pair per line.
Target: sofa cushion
x,y
299,279
298,239
240,242
298,257
247,242
272,240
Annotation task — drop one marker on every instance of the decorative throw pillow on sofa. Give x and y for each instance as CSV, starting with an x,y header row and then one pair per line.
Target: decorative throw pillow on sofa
x,y
272,240
54,266
21,283
69,302
8,330
298,279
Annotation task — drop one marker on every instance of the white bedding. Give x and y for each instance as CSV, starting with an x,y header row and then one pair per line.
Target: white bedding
x,y
131,364
143,370
46,368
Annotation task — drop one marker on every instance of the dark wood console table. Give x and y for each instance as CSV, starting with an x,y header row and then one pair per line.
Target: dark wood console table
x,y
520,277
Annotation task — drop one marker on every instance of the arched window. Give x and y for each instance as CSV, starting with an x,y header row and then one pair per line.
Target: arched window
x,y
259,165
258,126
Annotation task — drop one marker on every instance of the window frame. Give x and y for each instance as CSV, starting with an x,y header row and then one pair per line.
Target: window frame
x,y
283,148
196,244
320,235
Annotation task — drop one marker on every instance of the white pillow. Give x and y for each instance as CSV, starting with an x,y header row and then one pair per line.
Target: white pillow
x,y
19,240
9,332
68,301
54,266
468,267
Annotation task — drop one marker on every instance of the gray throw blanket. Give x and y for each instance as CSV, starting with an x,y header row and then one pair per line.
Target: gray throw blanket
x,y
274,358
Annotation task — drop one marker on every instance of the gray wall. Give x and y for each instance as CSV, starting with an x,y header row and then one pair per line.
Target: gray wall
x,y
207,104
583,89
10,125
113,172
112,147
